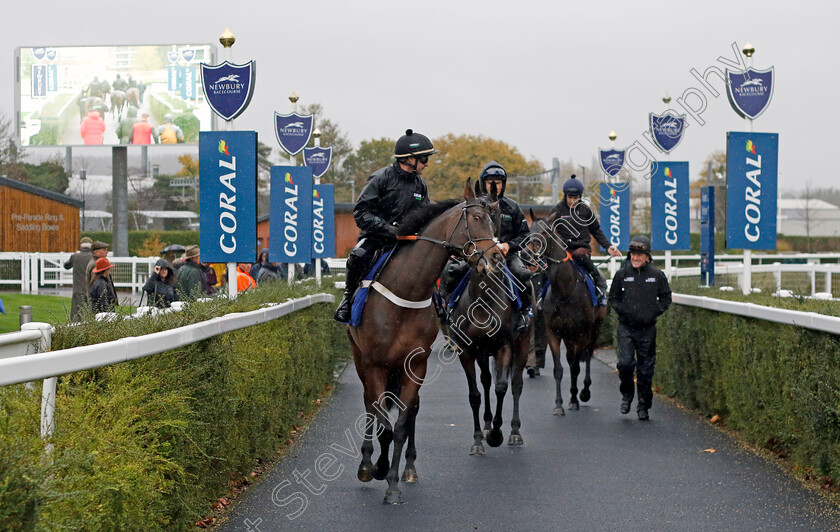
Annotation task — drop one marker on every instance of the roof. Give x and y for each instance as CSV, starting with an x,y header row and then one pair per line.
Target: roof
x,y
802,204
167,214
38,191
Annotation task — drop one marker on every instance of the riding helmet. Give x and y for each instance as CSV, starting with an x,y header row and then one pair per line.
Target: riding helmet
x,y
573,187
493,171
413,144
640,244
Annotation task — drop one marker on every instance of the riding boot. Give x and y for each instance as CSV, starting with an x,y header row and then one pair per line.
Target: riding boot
x,y
597,278
355,272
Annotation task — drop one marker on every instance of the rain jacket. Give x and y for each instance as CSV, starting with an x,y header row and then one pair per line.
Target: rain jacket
x,y
389,195
639,296
578,227
514,228
92,128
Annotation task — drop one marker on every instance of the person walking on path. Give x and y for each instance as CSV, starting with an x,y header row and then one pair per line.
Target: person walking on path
x,y
78,262
125,129
639,295
103,297
169,133
92,128
142,132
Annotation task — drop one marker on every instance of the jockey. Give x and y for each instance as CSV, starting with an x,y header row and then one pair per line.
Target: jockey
x,y
389,195
578,226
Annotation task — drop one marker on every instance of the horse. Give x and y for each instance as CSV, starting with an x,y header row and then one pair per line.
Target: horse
x,y
482,326
132,97
391,345
570,315
117,103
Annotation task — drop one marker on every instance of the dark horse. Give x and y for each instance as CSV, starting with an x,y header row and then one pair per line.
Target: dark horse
x,y
117,104
570,316
482,326
132,97
391,345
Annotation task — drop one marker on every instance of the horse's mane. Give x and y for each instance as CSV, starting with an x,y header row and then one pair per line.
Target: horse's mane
x,y
417,219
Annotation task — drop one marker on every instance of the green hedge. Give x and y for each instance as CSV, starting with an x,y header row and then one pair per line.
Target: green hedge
x,y
136,238
150,444
779,385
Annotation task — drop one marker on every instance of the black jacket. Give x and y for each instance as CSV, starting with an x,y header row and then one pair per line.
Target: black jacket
x,y
639,296
160,293
514,226
102,296
389,195
583,221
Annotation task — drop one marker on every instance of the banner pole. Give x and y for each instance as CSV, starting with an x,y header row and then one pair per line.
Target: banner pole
x,y
317,135
293,97
227,39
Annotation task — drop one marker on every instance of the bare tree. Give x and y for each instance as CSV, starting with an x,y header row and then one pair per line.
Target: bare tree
x,y
808,212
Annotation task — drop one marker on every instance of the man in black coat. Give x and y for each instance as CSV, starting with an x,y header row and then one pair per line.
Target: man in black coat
x,y
390,194
639,294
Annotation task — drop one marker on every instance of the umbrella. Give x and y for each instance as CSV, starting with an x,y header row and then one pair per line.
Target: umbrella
x,y
174,248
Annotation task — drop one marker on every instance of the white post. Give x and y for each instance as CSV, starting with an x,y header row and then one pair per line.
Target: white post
x,y
777,275
48,390
828,281
668,272
33,272
746,276
133,276
24,274
812,275
232,289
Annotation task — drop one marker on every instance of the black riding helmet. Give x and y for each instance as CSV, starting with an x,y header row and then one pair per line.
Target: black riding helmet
x,y
413,145
493,170
639,244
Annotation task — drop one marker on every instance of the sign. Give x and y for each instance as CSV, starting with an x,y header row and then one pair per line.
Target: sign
x,y
173,78
188,54
51,55
615,213
188,91
39,81
323,222
293,131
318,159
669,206
228,87
667,130
173,56
707,235
52,78
752,161
39,53
750,91
227,163
611,161
290,220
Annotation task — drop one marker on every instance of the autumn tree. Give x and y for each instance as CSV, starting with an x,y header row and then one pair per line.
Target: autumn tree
x,y
189,166
372,155
331,137
718,160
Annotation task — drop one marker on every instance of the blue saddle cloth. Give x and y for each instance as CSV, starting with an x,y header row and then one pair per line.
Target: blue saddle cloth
x,y
360,298
590,285
510,287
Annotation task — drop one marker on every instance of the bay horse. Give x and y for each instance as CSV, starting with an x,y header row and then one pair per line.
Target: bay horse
x,y
132,97
482,326
117,103
391,345
570,315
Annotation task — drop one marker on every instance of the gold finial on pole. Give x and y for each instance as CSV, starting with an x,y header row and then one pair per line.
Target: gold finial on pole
x,y
293,97
613,136
227,38
748,50
666,99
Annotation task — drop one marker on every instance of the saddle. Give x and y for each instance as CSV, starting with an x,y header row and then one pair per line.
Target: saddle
x,y
360,297
590,285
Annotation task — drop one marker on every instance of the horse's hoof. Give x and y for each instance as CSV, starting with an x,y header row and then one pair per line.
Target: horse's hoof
x,y
379,473
559,411
477,450
393,497
585,395
364,474
495,438
409,475
574,406
515,439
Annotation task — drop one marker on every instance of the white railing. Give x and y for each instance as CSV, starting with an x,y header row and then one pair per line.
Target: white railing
x,y
49,365
807,320
33,270
811,269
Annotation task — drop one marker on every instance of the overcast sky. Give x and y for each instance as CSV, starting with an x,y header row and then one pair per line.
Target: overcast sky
x,y
550,78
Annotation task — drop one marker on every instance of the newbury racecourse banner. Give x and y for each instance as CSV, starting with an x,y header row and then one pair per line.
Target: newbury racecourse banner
x,y
227,163
290,224
615,213
228,88
752,161
323,222
293,131
669,206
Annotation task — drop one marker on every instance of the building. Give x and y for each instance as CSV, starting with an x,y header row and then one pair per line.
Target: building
x,y
35,219
811,217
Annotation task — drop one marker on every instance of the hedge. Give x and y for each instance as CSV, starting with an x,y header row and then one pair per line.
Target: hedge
x,y
136,238
150,444
779,385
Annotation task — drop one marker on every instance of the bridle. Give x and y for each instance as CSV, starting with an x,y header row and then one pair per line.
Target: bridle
x,y
470,248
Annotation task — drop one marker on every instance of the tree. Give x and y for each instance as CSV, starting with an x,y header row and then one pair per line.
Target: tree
x,y
463,156
372,155
189,166
718,161
331,137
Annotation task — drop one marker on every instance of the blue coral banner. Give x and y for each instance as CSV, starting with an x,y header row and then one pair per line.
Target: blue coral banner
x,y
323,222
752,172
615,213
290,225
669,206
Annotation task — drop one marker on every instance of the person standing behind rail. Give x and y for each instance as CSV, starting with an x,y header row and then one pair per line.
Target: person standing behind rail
x,y
78,262
639,294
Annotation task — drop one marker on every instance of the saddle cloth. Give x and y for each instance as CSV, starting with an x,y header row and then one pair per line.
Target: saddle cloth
x,y
590,285
510,287
360,297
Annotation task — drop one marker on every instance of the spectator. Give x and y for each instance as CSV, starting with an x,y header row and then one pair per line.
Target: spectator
x,y
169,133
160,288
78,263
92,128
244,281
263,270
191,281
103,297
143,132
210,277
99,250
125,129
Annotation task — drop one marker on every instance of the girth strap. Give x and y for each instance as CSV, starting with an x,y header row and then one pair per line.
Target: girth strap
x,y
395,299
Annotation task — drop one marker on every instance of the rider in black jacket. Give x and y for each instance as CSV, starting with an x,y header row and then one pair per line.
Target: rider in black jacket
x,y
389,195
639,294
576,224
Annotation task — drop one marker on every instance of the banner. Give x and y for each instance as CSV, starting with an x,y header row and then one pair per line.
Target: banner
x,y
173,75
227,162
290,219
611,161
752,161
188,82
293,131
52,78
228,87
615,213
669,206
707,235
39,81
323,222
750,92
317,158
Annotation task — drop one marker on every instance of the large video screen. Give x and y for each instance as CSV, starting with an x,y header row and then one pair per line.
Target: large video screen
x,y
110,95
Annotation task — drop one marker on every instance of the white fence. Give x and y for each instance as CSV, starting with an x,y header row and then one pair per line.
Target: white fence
x,y
19,367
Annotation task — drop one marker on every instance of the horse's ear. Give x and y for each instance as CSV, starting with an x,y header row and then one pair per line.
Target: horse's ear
x,y
533,216
469,195
494,194
478,191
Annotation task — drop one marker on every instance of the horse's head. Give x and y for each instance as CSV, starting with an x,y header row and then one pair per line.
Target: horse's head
x,y
475,233
544,244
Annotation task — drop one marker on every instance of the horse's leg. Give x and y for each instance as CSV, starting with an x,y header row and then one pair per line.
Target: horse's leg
x,y
585,395
486,380
410,398
521,348
468,363
495,438
374,380
410,472
554,344
386,432
574,350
